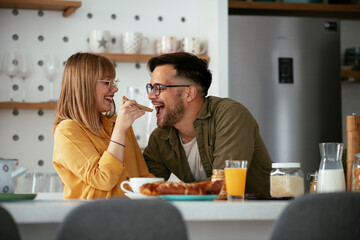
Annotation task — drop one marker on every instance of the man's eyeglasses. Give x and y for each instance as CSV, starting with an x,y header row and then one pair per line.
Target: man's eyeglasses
x,y
110,83
157,87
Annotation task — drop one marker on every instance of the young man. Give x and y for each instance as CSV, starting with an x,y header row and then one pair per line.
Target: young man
x,y
196,133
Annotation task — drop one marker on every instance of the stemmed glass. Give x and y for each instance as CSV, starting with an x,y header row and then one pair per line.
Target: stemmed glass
x,y
11,68
1,63
51,68
25,70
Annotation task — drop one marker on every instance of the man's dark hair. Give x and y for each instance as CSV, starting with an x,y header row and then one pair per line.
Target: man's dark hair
x,y
188,66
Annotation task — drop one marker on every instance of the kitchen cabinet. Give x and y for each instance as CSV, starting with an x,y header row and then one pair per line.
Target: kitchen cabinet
x,y
67,7
341,11
349,73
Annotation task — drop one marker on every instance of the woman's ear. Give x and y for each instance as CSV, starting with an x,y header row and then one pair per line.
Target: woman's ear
x,y
191,93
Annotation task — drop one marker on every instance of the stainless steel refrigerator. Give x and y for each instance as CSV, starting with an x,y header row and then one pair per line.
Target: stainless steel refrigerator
x,y
286,71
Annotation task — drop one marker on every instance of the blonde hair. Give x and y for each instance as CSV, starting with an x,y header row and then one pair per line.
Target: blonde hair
x,y
77,96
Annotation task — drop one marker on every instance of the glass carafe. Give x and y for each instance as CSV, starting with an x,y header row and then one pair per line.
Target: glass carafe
x,y
331,176
355,174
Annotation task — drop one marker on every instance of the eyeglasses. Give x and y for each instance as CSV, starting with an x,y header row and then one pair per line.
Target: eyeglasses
x,y
157,87
110,83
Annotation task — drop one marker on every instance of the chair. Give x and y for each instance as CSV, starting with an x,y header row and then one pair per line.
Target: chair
x,y
8,227
124,219
320,216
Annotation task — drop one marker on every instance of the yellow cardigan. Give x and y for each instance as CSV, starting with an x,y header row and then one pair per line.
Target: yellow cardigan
x,y
85,166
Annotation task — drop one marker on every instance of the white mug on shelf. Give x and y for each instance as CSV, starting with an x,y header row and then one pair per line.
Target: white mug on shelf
x,y
193,45
133,42
99,41
167,45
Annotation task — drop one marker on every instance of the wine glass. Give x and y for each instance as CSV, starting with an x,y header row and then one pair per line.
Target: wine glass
x,y
11,68
51,69
25,69
1,63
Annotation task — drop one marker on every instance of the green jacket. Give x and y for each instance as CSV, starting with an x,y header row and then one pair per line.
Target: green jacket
x,y
225,130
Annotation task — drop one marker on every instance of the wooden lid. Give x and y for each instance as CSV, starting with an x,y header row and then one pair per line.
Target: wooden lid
x,y
353,123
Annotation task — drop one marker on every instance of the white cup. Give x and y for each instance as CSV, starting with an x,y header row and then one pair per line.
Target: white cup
x,y
133,42
99,41
137,182
193,45
167,45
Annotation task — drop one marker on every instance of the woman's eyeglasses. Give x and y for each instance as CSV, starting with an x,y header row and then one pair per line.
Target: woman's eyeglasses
x,y
157,87
111,83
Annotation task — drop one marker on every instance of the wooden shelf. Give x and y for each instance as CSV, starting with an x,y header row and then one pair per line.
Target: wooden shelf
x,y
27,105
67,7
342,11
137,58
349,73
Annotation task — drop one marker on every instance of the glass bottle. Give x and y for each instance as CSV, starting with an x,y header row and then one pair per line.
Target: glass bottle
x,y
313,177
218,174
355,174
331,176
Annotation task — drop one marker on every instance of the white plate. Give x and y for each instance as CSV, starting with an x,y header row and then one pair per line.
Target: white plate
x,y
139,196
189,197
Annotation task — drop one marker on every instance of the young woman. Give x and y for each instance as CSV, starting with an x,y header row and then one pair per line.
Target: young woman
x,y
94,150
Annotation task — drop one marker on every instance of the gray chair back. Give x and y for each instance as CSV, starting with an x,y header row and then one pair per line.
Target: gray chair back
x,y
124,219
320,216
8,227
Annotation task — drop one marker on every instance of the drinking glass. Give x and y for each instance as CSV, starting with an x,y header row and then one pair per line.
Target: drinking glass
x,y
331,176
235,179
51,69
25,70
34,183
54,183
11,68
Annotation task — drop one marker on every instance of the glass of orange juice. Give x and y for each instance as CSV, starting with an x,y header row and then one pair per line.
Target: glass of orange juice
x,y
235,179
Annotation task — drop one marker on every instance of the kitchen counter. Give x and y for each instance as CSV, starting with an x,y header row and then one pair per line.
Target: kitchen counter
x,y
39,219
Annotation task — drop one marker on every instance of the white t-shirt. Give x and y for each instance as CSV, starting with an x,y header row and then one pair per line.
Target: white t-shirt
x,y
192,154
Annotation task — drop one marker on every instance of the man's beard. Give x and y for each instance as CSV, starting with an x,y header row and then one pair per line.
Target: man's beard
x,y
174,115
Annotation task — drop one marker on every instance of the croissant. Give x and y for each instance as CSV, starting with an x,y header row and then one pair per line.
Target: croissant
x,y
138,105
181,188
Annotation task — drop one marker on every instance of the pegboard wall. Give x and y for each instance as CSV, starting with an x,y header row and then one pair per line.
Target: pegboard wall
x,y
26,133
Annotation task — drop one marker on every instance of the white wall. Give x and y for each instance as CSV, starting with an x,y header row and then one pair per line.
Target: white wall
x,y
205,19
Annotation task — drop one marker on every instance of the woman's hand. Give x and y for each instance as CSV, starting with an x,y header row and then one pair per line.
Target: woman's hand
x,y
127,114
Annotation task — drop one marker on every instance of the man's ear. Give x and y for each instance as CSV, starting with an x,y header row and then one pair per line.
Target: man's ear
x,y
191,93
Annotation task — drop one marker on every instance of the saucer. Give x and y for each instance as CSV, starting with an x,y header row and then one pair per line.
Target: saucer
x,y
139,196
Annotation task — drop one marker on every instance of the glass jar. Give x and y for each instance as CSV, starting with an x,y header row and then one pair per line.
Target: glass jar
x,y
218,174
312,177
355,174
286,180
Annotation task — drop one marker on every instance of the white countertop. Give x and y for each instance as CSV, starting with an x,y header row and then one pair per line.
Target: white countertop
x,y
54,211
248,220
